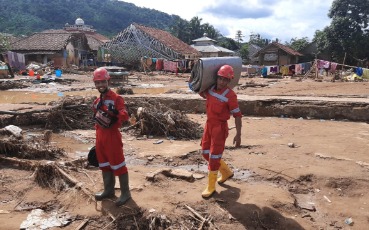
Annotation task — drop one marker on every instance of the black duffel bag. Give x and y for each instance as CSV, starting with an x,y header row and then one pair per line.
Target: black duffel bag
x,y
92,158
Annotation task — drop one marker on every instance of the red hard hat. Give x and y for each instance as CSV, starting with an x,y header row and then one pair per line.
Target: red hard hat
x,y
226,71
101,74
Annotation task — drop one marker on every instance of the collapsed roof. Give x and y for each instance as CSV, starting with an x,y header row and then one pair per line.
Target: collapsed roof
x,y
137,41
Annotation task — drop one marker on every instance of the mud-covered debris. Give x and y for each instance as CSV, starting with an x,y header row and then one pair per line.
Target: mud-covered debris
x,y
154,118
124,91
71,113
12,130
173,173
12,84
32,148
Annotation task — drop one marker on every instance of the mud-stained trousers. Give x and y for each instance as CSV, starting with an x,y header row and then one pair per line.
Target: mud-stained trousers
x,y
213,142
109,151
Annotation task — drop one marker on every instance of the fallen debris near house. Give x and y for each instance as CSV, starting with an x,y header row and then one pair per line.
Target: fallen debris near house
x,y
32,148
71,113
154,118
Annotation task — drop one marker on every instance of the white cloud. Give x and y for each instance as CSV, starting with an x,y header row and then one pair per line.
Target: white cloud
x,y
282,19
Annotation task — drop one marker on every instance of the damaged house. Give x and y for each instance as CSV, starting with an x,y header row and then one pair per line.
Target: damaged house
x,y
94,40
277,54
61,47
137,41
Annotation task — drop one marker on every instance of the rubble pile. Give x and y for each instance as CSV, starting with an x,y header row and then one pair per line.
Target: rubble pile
x,y
71,113
151,117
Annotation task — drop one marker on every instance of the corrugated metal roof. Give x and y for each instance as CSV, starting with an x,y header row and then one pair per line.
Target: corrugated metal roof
x,y
211,49
168,40
203,39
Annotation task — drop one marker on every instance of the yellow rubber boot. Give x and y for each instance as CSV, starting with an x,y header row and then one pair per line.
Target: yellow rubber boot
x,y
210,189
225,172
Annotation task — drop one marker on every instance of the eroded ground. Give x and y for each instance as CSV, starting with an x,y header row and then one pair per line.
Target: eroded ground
x,y
289,173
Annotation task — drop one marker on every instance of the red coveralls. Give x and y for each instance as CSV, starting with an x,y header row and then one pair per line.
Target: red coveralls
x,y
219,105
109,145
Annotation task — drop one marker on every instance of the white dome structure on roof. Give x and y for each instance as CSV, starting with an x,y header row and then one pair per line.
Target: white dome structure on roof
x,y
79,22
79,26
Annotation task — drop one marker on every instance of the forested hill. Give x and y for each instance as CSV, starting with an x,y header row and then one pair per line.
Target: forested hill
x,y
108,17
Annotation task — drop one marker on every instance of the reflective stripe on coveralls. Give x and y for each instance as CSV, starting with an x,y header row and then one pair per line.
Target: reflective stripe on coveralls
x,y
109,145
114,167
216,131
109,151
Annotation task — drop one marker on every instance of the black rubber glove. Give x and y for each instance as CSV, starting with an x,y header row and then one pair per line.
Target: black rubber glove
x,y
112,109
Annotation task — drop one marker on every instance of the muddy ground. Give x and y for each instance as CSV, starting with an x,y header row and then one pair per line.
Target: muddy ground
x,y
289,173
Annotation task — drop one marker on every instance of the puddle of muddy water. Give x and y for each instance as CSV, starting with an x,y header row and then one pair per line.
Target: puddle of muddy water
x,y
17,97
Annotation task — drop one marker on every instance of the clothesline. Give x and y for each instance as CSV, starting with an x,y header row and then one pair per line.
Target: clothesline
x,y
340,64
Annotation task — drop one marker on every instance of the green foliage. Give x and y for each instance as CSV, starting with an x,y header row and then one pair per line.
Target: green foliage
x,y
244,52
256,39
4,43
298,44
348,32
106,16
228,43
193,29
239,37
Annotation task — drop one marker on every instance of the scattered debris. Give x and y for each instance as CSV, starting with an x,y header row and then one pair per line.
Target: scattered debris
x,y
154,118
327,199
158,142
38,219
174,173
349,221
304,201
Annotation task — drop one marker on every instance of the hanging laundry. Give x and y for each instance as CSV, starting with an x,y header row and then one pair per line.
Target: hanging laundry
x,y
291,70
323,64
307,66
159,64
298,69
333,67
274,69
284,70
264,71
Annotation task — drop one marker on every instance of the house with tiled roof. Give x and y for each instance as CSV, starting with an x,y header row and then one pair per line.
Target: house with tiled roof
x,y
62,47
137,41
207,47
277,54
95,40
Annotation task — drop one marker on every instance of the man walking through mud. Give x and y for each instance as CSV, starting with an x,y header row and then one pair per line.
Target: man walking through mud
x,y
221,102
109,113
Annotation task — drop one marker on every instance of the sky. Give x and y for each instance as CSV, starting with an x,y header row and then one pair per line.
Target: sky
x,y
282,19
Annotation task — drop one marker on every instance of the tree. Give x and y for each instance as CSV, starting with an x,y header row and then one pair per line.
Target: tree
x,y
210,31
188,31
256,39
298,44
239,37
348,32
196,29
4,43
228,43
181,30
244,52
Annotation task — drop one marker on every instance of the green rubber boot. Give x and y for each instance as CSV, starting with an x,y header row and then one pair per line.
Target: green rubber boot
x,y
109,183
124,188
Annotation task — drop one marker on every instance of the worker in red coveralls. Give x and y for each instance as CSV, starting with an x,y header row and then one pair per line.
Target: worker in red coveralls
x,y
109,113
221,102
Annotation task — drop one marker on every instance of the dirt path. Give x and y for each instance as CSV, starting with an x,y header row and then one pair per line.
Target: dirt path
x,y
289,173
